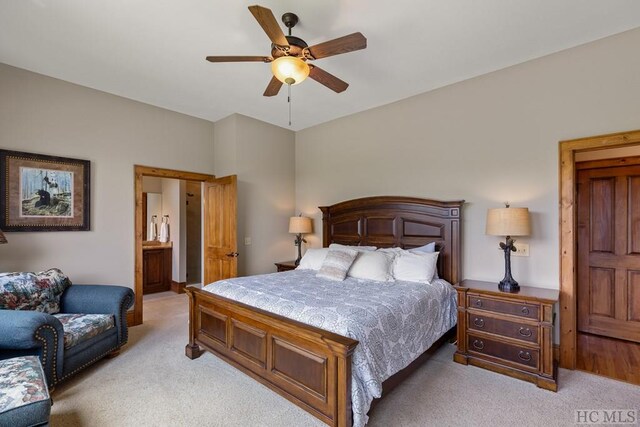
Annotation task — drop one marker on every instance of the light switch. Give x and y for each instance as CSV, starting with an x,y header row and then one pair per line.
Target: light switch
x,y
522,249
247,241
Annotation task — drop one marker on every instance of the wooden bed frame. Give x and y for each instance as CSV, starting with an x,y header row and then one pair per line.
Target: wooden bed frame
x,y
310,366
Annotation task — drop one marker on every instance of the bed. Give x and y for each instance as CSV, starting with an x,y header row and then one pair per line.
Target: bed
x,y
304,362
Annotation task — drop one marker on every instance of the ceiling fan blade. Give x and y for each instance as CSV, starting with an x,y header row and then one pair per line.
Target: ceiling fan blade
x,y
327,79
273,87
269,24
239,58
355,41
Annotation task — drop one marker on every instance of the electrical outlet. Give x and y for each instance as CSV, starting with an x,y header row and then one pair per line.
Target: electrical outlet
x,y
522,249
247,241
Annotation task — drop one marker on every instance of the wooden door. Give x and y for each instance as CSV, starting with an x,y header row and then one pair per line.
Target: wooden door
x,y
220,223
609,252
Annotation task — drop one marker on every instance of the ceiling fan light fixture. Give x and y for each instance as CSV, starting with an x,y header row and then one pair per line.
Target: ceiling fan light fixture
x,y
290,70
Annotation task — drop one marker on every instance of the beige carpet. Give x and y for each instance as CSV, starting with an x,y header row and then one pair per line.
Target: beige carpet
x,y
152,383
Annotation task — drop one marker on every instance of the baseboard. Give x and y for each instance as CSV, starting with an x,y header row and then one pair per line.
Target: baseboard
x,y
178,287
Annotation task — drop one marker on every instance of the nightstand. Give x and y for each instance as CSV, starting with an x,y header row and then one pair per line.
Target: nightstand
x,y
508,333
285,266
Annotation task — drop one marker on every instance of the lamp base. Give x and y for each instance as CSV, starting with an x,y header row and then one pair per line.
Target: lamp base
x,y
298,243
509,285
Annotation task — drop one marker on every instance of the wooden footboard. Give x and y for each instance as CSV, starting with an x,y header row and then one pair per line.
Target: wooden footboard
x,y
309,366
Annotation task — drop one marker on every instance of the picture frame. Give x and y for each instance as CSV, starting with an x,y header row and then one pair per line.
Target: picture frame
x,y
44,193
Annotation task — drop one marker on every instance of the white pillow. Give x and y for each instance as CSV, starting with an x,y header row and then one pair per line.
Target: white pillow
x,y
336,264
313,259
415,266
357,248
429,247
376,266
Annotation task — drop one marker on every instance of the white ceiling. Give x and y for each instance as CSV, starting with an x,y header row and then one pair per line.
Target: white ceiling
x,y
153,50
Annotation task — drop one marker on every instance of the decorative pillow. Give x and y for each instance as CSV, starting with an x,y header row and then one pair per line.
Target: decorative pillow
x,y
376,266
337,263
415,266
313,259
33,291
394,250
357,248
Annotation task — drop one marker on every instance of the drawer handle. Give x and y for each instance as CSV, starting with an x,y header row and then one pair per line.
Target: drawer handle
x,y
525,332
525,311
478,303
478,344
524,355
479,322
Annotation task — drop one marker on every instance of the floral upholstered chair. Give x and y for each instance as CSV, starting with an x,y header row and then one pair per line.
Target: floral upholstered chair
x,y
68,326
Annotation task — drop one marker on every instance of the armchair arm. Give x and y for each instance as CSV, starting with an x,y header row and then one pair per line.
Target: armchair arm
x,y
100,299
41,333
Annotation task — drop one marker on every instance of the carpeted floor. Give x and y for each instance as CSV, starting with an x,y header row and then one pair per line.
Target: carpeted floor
x,y
152,383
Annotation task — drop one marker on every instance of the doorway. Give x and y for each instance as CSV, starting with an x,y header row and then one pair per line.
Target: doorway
x,y
218,227
141,208
172,219
574,338
608,267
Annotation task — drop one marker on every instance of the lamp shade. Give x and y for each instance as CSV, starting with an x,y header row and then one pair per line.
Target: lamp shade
x,y
299,225
2,238
508,222
290,70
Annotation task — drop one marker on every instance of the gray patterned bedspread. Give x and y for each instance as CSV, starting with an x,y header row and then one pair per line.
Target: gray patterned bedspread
x,y
394,322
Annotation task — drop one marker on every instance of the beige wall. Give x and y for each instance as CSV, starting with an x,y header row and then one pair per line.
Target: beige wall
x,y
486,140
174,205
263,157
44,115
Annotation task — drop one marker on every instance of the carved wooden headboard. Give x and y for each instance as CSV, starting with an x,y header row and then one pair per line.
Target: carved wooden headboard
x,y
405,222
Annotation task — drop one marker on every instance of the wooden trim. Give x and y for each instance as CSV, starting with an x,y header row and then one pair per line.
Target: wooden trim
x,y
138,172
172,173
608,163
178,287
567,167
130,318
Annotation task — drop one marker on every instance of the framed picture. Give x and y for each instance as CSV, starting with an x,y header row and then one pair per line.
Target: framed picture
x,y
43,193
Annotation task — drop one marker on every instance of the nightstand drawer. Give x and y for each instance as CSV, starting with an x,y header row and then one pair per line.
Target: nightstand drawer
x,y
476,321
525,357
528,311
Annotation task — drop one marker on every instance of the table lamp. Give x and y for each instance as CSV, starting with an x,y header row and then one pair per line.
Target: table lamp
x,y
508,222
299,225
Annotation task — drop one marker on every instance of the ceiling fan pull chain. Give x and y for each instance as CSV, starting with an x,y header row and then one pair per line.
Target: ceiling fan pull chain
x,y
289,101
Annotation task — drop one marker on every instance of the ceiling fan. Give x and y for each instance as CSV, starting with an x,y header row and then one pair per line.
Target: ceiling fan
x,y
290,55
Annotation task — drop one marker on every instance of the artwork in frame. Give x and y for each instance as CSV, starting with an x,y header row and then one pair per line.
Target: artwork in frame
x,y
44,193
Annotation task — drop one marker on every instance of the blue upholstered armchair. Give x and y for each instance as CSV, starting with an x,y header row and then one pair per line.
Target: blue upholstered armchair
x,y
77,327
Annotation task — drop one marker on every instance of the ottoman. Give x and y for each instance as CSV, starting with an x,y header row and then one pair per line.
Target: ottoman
x,y
24,398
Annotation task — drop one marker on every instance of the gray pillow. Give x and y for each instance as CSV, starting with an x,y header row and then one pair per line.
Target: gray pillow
x,y
336,264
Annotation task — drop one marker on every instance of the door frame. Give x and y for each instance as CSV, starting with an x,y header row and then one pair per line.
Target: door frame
x,y
135,318
568,228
